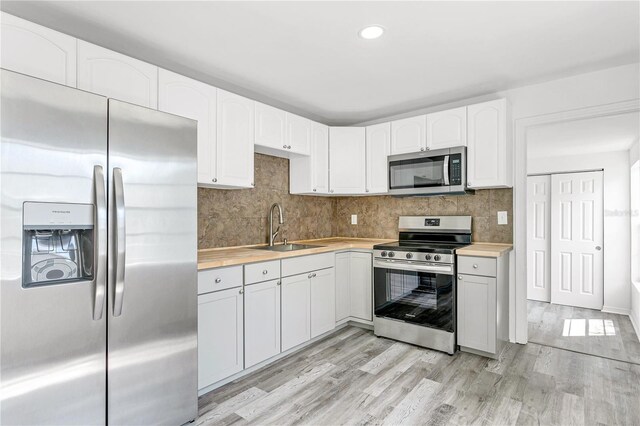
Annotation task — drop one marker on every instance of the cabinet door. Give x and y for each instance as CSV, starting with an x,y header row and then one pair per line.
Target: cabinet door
x,y
298,134
192,99
343,271
477,312
409,135
296,310
38,51
261,322
378,144
447,129
347,160
360,286
235,124
488,153
319,158
117,76
270,126
323,302
220,336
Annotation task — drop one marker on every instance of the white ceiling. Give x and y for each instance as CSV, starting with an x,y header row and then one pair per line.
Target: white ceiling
x,y
591,136
306,57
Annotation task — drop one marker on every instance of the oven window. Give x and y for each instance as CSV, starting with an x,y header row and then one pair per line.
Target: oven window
x,y
422,298
417,173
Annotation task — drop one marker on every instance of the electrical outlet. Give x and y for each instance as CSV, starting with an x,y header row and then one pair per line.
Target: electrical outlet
x,y
502,218
354,219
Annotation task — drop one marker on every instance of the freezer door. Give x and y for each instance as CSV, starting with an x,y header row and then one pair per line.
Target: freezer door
x,y
52,356
152,353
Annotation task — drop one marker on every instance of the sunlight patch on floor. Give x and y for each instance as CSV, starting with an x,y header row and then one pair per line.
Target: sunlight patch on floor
x,y
580,327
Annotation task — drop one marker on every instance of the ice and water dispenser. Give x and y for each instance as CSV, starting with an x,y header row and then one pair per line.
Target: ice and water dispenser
x,y
57,244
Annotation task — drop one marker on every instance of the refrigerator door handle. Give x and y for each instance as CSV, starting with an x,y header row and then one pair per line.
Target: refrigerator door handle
x,y
120,241
100,244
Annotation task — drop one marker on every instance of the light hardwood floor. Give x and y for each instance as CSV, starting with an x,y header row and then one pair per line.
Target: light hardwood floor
x,y
583,330
353,377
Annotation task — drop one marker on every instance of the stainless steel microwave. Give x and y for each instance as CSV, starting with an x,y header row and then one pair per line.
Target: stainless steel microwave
x,y
442,171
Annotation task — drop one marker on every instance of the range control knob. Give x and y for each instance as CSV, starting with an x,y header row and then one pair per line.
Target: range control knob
x,y
391,254
409,255
383,254
436,257
428,257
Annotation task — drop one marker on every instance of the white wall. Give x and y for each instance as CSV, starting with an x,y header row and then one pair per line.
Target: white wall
x,y
617,243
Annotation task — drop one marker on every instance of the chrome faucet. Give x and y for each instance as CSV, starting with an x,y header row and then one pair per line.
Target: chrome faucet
x,y
273,235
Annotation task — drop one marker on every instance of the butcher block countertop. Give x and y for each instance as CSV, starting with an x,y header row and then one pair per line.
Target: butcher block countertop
x,y
485,250
228,256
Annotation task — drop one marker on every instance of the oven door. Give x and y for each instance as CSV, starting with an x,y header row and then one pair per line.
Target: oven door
x,y
421,294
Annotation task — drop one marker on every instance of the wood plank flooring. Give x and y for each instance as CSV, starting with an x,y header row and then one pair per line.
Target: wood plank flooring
x,y
583,330
353,377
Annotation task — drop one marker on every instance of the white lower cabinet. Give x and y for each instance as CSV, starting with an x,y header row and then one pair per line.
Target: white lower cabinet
x,y
220,335
354,286
323,302
296,310
261,322
343,268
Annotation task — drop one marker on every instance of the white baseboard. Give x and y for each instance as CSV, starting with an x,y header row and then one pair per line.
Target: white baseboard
x,y
613,310
635,325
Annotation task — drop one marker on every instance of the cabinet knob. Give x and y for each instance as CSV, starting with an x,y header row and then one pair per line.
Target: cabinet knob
x,y
331,191
310,276
214,180
253,184
288,146
421,149
428,149
314,190
218,280
598,248
366,190
469,184
475,266
241,291
460,277
278,283
284,146
265,272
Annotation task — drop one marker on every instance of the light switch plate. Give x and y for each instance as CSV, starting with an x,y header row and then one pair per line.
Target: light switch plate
x,y
354,219
502,218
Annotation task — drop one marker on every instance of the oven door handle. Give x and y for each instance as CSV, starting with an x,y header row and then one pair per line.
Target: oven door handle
x,y
401,266
445,171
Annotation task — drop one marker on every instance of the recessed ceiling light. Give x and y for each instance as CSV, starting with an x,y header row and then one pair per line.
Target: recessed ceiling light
x,y
371,32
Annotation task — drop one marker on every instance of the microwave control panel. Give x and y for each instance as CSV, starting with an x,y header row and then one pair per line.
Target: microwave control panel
x,y
455,169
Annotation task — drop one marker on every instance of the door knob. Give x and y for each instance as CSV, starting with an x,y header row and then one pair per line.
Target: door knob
x,y
598,248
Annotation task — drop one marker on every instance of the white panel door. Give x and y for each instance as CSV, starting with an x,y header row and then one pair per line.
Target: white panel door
x,y
195,100
270,126
488,153
360,286
37,51
323,302
220,335
447,129
343,276
539,238
347,171
576,240
117,76
298,134
261,322
378,146
235,125
409,135
296,310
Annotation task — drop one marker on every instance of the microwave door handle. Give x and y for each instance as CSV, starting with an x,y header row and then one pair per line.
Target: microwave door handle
x,y
100,242
446,170
120,241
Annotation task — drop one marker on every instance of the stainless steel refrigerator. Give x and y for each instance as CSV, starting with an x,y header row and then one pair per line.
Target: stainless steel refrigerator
x,y
98,259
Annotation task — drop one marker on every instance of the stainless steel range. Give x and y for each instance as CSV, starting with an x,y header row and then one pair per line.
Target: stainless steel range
x,y
415,281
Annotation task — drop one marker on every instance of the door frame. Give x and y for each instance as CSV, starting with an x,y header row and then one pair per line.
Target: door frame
x,y
522,126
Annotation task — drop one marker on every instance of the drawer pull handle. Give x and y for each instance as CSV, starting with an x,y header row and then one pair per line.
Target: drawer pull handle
x,y
475,266
218,280
265,272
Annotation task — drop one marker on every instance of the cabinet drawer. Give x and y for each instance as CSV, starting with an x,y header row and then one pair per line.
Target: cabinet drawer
x,y
219,279
485,266
302,264
263,271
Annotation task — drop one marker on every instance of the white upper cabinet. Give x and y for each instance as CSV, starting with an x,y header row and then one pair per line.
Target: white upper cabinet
x,y
192,99
310,174
38,51
234,147
298,134
347,174
117,76
270,127
447,129
409,135
489,160
377,150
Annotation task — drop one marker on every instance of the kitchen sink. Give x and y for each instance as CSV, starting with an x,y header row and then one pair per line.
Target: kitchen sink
x,y
287,247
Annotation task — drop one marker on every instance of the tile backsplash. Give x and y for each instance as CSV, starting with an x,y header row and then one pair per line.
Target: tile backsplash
x,y
240,217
